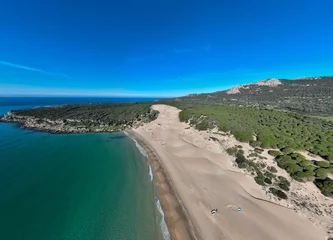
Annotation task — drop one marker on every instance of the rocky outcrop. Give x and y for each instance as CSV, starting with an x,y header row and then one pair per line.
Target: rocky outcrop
x,y
273,82
270,83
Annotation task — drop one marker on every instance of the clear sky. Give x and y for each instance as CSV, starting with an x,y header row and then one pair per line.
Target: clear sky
x,y
160,47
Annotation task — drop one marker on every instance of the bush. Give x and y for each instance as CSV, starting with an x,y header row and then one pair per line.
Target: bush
x,y
329,157
284,187
268,181
287,150
232,151
274,153
269,175
255,143
322,164
241,161
284,180
306,174
278,193
202,126
272,169
260,180
304,163
297,157
321,173
258,150
293,168
326,186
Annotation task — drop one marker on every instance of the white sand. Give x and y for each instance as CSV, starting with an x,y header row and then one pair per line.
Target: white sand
x,y
204,178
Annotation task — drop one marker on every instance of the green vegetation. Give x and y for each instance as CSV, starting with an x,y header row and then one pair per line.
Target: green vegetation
x,y
241,161
106,112
273,129
326,186
321,173
274,153
272,169
322,164
232,151
287,150
278,193
106,116
309,96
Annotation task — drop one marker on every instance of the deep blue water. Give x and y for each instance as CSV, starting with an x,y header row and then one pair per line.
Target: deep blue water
x,y
43,101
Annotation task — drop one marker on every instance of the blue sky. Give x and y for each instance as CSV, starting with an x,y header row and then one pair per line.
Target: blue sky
x,y
159,48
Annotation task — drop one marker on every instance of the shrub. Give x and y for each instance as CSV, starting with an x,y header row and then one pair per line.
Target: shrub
x,y
283,160
258,150
284,186
241,161
274,153
278,193
202,126
269,175
326,186
268,181
304,163
182,116
321,173
287,150
260,180
232,151
306,174
322,164
293,168
297,157
309,167
255,143
329,157
272,169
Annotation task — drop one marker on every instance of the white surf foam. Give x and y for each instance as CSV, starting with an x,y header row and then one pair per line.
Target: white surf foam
x,y
163,225
143,152
150,173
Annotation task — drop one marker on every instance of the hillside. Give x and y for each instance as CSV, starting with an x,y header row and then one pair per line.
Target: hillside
x,y
303,95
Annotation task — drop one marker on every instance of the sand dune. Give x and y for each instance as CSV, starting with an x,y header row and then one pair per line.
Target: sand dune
x,y
204,178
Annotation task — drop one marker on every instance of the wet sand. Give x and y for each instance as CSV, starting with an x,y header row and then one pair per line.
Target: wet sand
x,y
175,215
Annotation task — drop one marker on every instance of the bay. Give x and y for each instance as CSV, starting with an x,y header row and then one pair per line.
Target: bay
x,y
74,186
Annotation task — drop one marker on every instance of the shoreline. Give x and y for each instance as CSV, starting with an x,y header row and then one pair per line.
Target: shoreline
x,y
188,169
176,218
204,177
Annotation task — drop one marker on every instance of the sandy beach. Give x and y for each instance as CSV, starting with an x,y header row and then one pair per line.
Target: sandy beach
x,y
203,177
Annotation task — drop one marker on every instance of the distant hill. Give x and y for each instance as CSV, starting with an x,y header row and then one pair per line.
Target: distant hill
x,y
311,95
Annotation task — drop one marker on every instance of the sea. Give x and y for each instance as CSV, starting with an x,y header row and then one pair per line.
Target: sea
x,y
92,186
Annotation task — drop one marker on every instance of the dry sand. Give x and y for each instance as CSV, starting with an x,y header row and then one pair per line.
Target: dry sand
x,y
204,178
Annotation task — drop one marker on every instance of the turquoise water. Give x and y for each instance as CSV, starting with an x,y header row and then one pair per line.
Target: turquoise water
x,y
79,186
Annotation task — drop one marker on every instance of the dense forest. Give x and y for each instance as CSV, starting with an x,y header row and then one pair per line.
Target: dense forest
x,y
104,113
305,95
83,117
266,128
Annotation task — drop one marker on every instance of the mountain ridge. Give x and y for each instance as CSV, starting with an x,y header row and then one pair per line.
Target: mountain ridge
x,y
311,95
